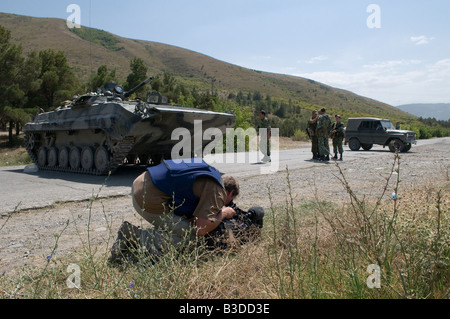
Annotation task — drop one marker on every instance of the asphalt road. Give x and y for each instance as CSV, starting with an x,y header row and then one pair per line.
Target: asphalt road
x,y
20,189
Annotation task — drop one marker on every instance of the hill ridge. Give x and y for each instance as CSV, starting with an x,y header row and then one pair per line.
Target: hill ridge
x,y
189,67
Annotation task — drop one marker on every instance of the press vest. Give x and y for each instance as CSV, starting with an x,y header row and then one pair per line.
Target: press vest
x,y
177,180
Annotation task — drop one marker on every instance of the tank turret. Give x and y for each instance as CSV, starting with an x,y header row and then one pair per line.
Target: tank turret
x,y
97,132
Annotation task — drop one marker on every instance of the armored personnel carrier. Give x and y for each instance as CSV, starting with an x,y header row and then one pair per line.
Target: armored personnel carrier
x,y
97,132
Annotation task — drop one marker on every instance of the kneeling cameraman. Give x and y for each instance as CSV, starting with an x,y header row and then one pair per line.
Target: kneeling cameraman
x,y
183,201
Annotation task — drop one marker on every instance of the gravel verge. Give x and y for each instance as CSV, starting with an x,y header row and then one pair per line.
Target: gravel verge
x,y
28,237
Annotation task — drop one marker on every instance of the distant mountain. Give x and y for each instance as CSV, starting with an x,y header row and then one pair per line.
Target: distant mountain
x,y
440,111
87,49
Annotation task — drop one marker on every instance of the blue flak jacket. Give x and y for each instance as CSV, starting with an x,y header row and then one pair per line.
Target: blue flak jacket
x,y
177,179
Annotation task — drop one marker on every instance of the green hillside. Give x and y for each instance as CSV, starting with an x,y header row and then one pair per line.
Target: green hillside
x,y
87,49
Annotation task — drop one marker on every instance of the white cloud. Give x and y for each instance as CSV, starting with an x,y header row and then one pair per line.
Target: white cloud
x,y
394,82
392,64
315,59
420,40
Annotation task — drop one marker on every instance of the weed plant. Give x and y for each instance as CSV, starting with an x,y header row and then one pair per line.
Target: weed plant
x,y
311,249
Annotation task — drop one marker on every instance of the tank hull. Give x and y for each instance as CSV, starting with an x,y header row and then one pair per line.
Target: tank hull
x,y
97,139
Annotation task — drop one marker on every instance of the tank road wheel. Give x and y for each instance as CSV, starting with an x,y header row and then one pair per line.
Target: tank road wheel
x,y
101,159
143,159
87,157
131,159
74,157
63,157
156,159
42,156
52,157
354,144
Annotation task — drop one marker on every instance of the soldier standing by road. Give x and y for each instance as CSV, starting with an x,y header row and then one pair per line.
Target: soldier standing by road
x,y
312,125
264,144
337,134
323,131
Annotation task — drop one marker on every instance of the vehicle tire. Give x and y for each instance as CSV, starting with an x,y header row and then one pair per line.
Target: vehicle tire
x,y
131,159
63,157
367,147
157,158
42,156
87,157
75,157
354,144
407,147
52,157
101,159
396,146
143,159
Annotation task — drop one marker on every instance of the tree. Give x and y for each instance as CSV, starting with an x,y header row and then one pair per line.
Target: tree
x,y
137,75
98,80
29,79
11,95
58,81
37,80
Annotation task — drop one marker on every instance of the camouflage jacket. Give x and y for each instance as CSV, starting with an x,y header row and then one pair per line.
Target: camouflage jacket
x,y
312,125
323,125
264,124
339,127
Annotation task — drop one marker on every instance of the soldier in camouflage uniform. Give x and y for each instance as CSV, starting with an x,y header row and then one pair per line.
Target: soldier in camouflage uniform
x,y
264,145
323,132
312,125
337,134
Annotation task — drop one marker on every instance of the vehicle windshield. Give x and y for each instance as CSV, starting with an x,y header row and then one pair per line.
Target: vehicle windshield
x,y
387,125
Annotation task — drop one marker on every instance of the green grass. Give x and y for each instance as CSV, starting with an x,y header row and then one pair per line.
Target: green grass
x,y
308,249
100,37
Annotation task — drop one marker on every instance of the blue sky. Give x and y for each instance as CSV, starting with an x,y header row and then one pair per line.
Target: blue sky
x,y
397,53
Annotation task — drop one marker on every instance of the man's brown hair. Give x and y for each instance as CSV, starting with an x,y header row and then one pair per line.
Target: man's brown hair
x,y
231,184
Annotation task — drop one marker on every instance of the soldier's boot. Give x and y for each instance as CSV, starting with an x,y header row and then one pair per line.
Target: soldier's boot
x,y
127,239
341,157
327,158
315,157
335,156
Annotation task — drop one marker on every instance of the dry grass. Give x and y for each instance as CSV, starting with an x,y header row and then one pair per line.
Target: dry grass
x,y
307,250
12,154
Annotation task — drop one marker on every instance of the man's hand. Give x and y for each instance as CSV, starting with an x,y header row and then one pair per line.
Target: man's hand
x,y
228,213
204,226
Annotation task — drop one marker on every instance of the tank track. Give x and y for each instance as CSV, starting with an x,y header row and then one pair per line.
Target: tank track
x,y
121,150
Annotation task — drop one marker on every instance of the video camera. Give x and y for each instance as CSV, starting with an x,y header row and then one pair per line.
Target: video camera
x,y
243,227
254,216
